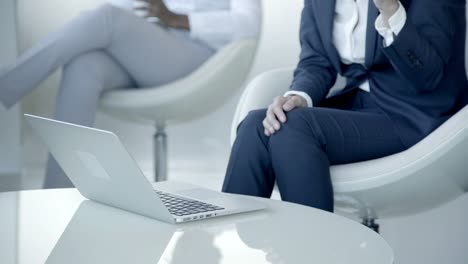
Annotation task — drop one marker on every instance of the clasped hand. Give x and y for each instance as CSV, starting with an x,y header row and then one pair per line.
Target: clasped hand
x,y
276,113
387,7
384,4
157,8
154,8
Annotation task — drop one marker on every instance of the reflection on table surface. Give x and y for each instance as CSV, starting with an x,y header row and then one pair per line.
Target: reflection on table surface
x,y
61,227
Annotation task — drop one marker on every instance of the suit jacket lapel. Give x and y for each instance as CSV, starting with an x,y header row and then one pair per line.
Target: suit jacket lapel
x,y
324,15
371,37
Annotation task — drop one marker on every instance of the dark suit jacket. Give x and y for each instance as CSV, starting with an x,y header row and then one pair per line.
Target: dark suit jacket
x,y
419,81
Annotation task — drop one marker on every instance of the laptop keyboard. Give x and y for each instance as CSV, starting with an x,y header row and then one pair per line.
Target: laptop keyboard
x,y
180,206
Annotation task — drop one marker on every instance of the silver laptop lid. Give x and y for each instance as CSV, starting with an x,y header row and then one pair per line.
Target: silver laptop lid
x,y
100,167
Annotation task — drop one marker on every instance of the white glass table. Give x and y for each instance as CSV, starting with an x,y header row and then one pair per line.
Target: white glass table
x,y
60,226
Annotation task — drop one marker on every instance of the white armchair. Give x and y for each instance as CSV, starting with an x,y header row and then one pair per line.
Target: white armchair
x,y
431,173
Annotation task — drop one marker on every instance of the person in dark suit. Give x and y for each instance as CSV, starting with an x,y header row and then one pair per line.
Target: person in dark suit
x,y
405,68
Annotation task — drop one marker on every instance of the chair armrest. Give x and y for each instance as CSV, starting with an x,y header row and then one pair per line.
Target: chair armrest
x,y
260,93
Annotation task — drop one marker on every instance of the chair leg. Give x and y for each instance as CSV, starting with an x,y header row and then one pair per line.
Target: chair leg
x,y
160,154
370,223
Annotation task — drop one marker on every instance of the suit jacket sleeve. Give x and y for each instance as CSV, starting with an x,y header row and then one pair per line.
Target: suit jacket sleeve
x,y
314,75
422,50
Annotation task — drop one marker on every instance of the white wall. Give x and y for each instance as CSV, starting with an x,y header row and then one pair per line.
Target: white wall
x,y
9,120
279,36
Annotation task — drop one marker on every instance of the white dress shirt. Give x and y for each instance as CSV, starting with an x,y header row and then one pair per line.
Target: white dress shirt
x,y
218,22
214,22
350,31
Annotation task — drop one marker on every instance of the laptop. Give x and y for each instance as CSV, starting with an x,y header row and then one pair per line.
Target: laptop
x,y
102,170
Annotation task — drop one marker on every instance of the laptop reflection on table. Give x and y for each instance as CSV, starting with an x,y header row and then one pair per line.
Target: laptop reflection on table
x,y
102,234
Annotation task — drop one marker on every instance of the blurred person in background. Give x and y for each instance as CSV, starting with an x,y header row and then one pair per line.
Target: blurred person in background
x,y
111,48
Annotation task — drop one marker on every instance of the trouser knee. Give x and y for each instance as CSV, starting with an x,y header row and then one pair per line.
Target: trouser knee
x,y
252,124
301,126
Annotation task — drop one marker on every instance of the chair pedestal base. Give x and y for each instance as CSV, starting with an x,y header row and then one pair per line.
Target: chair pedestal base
x,y
160,154
370,223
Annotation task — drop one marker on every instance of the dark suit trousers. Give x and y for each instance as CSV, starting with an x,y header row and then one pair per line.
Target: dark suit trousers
x,y
344,129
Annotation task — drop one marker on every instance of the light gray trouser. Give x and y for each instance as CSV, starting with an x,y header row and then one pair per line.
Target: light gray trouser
x,y
107,48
